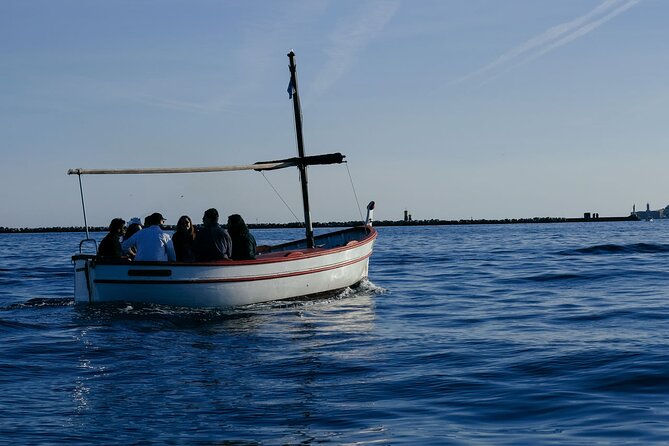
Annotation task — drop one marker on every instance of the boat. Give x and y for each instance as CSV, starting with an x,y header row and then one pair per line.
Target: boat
x,y
314,265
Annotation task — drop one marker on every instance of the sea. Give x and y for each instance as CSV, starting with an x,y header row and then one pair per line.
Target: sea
x,y
536,334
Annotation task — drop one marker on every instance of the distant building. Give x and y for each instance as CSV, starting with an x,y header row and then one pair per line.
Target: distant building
x,y
407,215
649,214
590,215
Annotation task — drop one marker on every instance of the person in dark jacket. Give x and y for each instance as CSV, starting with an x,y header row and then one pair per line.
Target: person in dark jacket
x,y
212,242
184,239
243,242
110,246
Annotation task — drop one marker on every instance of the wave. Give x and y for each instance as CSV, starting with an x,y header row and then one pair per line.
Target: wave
x,y
561,276
40,302
603,274
634,248
550,277
11,325
367,286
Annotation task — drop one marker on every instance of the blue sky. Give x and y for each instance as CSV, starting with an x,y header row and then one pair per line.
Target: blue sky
x,y
450,109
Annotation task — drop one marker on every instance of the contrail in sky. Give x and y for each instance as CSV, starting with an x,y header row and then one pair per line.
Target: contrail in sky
x,y
350,38
553,38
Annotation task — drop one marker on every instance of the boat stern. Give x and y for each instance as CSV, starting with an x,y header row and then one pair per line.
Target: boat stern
x,y
83,280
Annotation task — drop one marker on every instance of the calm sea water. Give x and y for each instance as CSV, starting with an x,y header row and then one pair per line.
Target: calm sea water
x,y
519,334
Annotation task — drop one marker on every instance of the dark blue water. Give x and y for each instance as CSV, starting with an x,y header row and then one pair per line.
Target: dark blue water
x,y
519,334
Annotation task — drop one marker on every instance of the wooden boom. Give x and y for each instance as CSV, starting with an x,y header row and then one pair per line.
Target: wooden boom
x,y
331,158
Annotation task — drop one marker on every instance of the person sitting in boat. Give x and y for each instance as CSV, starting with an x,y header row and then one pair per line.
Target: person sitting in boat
x,y
151,243
243,242
134,226
110,246
212,242
184,239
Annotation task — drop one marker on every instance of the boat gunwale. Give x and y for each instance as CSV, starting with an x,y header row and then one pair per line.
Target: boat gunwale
x,y
306,253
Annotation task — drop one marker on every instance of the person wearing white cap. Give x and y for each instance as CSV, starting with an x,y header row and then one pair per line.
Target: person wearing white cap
x,y
134,225
151,243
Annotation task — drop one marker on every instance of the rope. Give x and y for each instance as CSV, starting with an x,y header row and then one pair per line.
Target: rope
x,y
354,192
280,197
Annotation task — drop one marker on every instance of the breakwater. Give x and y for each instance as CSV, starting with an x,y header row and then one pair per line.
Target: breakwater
x,y
337,224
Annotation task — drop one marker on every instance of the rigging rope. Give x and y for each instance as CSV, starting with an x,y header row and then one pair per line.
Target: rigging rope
x,y
280,197
354,192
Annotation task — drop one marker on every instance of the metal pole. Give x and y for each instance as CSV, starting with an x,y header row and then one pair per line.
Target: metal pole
x,y
83,206
300,150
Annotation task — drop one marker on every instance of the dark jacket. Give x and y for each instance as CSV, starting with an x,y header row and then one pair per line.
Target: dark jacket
x,y
212,242
110,246
184,247
243,247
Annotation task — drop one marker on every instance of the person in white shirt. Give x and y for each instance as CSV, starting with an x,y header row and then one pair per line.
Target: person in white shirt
x,y
151,243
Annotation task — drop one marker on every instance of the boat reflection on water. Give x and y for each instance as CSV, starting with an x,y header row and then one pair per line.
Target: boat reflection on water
x,y
341,310
264,365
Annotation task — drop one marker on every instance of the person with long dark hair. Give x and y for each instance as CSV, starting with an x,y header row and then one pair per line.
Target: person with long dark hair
x,y
184,239
243,242
110,246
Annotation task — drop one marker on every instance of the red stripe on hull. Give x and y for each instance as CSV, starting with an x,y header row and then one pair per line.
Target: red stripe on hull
x,y
238,279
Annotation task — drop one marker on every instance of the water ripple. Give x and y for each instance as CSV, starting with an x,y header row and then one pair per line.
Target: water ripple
x,y
490,335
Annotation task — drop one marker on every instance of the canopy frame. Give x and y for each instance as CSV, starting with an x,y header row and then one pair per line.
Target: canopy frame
x,y
330,158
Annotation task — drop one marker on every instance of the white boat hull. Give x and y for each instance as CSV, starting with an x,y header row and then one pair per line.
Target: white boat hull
x,y
287,271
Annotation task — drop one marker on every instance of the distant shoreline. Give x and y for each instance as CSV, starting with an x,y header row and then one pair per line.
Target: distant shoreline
x,y
432,222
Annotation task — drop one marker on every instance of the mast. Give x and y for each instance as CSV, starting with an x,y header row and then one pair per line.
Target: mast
x,y
300,149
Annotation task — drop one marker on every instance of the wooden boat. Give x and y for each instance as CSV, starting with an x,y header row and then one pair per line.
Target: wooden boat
x,y
313,265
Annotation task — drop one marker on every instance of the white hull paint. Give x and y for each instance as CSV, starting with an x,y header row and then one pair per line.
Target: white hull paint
x,y
290,270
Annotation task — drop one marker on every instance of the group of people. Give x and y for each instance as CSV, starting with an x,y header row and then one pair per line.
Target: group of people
x,y
149,242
